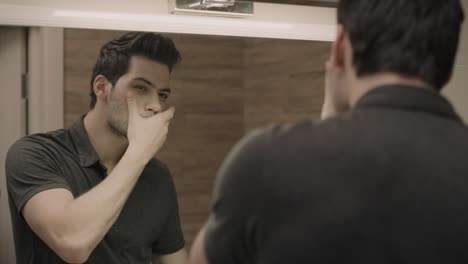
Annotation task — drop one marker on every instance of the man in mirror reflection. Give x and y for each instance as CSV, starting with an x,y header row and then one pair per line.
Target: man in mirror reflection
x,y
383,178
94,193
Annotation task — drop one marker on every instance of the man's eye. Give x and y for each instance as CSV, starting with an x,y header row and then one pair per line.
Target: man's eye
x,y
139,87
164,96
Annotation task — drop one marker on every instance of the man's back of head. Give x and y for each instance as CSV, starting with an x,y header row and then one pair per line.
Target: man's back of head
x,y
392,41
417,38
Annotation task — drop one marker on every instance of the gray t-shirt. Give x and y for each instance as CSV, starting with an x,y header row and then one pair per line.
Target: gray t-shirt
x,y
148,224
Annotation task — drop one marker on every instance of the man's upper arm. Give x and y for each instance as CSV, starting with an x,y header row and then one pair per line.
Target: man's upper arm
x,y
231,225
37,190
43,210
197,252
30,169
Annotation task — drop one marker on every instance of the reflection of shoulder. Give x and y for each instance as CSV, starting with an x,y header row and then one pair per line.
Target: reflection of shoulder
x,y
155,164
157,177
47,139
39,144
158,170
44,150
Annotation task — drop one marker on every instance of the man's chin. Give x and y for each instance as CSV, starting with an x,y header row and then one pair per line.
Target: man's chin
x,y
119,131
122,133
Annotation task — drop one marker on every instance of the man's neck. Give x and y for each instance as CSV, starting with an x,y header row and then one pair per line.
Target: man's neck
x,y
366,84
108,145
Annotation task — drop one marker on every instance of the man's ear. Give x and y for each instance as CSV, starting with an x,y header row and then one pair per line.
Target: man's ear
x,y
339,47
101,87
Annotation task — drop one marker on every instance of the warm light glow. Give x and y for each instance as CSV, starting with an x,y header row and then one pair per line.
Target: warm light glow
x,y
270,21
175,19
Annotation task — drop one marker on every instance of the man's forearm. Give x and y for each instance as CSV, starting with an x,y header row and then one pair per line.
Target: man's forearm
x,y
328,109
197,253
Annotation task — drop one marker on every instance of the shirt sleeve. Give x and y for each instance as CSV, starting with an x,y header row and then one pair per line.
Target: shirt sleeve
x,y
171,239
30,169
232,228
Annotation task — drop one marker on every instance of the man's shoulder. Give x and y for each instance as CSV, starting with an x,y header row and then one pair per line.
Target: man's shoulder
x,y
156,180
306,131
308,137
40,145
156,165
40,140
157,171
276,142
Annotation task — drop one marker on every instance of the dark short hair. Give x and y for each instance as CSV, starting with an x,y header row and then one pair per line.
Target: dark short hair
x,y
414,38
114,57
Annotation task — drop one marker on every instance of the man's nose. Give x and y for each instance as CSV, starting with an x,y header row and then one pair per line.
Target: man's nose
x,y
154,105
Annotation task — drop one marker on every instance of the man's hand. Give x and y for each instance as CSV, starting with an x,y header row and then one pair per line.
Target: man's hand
x,y
146,136
197,253
329,108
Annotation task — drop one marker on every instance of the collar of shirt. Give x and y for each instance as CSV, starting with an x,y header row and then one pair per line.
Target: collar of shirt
x,y
409,98
86,152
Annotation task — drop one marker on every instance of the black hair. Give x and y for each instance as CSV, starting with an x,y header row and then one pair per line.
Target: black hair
x,y
414,38
114,56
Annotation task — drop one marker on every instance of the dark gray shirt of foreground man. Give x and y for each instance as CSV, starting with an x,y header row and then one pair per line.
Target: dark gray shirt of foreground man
x,y
382,179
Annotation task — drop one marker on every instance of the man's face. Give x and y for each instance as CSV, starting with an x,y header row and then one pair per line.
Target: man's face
x,y
149,82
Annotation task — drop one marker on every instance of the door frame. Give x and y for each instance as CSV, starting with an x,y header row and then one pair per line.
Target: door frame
x,y
31,101
12,118
45,79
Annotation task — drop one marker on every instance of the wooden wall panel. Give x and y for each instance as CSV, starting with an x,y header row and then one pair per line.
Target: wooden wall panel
x,y
223,88
208,120
283,81
81,48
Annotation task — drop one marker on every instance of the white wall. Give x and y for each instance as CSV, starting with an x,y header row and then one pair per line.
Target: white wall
x,y
457,89
12,113
45,72
269,20
263,11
